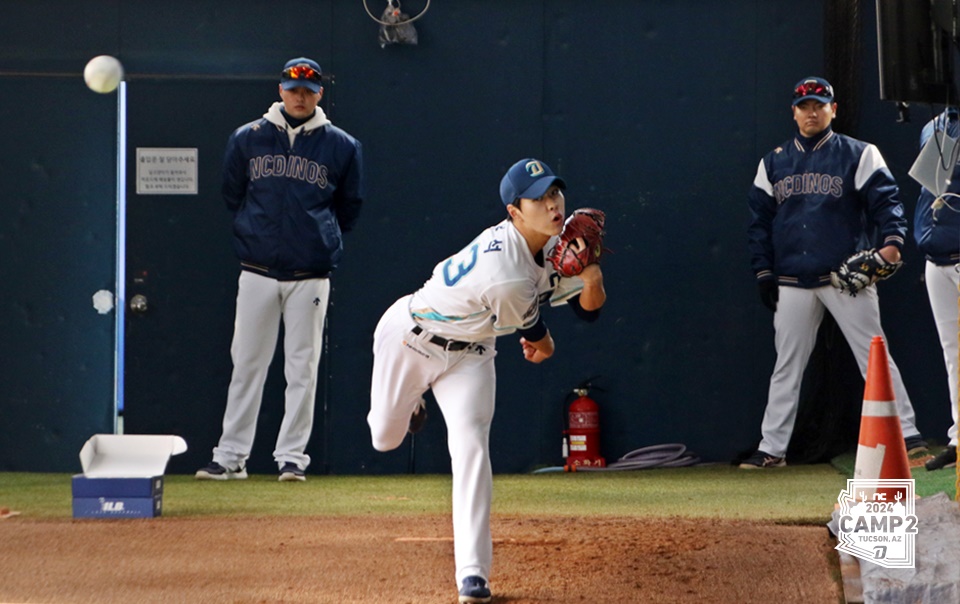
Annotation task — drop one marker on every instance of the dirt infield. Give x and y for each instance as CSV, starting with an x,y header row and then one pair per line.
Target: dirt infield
x,y
404,559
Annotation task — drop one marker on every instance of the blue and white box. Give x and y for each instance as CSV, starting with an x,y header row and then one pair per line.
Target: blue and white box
x,y
123,475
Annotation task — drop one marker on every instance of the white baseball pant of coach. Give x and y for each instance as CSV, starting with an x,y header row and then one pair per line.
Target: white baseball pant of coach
x,y
943,288
405,366
798,317
261,303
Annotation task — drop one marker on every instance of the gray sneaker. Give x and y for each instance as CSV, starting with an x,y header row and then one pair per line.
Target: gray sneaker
x,y
215,471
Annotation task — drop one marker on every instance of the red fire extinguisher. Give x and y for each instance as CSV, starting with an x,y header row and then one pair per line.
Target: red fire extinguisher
x,y
581,440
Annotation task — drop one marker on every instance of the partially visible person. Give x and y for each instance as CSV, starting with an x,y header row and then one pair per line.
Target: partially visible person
x,y
937,233
816,200
443,338
294,183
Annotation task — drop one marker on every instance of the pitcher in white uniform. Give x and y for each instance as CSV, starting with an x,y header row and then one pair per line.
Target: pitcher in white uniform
x,y
443,338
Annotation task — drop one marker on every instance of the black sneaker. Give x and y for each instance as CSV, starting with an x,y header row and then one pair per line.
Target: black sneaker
x,y
916,446
290,472
946,459
215,471
418,419
475,590
762,460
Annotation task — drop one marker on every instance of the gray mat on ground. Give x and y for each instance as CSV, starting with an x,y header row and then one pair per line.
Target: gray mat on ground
x,y
936,576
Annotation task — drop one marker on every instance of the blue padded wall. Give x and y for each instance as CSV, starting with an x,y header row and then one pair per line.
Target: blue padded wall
x,y
653,111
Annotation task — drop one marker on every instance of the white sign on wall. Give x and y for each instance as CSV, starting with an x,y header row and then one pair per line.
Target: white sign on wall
x,y
166,171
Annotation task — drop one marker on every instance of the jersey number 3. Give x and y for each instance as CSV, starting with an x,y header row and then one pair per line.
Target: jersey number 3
x,y
462,268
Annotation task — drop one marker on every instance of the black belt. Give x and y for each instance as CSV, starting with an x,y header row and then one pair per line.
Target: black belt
x,y
451,345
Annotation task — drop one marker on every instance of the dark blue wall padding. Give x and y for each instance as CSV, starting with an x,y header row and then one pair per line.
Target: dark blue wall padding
x,y
57,234
656,112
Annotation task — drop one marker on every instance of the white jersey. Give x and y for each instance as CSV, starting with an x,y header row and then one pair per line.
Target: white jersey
x,y
492,287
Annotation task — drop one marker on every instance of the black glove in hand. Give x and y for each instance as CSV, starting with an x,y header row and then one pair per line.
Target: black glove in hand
x,y
769,293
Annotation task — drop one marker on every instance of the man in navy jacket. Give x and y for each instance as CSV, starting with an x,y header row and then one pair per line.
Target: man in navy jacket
x,y
816,200
294,183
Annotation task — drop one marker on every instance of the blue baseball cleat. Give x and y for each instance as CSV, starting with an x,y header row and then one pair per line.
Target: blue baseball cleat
x,y
474,590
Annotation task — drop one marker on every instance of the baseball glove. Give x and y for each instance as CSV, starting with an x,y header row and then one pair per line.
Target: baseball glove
x,y
861,270
584,226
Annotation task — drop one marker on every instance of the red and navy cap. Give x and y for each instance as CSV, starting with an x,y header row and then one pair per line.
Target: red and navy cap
x,y
301,73
812,88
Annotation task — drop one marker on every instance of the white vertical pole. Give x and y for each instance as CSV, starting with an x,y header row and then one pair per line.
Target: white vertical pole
x,y
121,276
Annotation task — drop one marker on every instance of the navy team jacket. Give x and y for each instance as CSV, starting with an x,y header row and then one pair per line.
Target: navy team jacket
x,y
291,204
814,202
937,232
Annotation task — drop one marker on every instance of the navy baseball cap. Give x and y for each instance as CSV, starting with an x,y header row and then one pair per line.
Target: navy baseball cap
x,y
812,88
301,73
529,178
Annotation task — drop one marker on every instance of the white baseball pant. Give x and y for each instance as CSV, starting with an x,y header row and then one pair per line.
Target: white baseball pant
x,y
405,366
798,317
943,288
261,304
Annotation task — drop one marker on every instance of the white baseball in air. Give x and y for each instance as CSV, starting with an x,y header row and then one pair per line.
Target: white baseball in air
x,y
103,74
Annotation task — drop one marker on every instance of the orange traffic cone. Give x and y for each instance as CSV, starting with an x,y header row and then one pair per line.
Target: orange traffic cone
x,y
881,452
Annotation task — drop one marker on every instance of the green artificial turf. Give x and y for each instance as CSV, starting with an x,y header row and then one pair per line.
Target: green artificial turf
x,y
925,483
792,495
801,494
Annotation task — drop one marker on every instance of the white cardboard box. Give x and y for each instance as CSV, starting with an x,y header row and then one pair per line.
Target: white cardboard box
x,y
123,475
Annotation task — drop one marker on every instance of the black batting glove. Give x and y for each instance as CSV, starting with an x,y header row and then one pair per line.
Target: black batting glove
x,y
769,293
